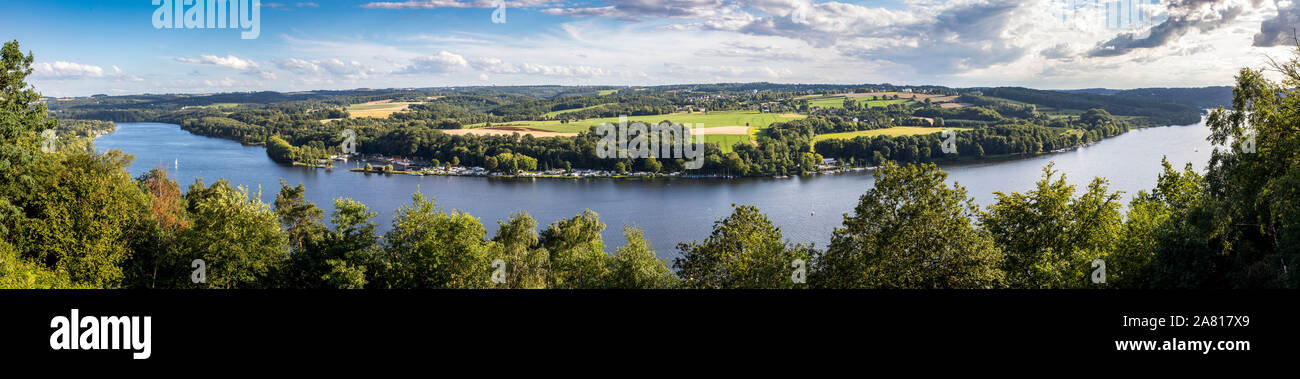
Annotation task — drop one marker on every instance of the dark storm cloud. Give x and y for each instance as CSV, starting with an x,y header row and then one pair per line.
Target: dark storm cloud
x,y
1184,16
1279,30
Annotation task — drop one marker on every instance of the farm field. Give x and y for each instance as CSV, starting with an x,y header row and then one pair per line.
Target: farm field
x,y
756,121
726,141
892,132
377,109
837,101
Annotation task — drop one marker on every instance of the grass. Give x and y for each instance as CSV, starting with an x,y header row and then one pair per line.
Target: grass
x,y
892,132
606,92
725,141
837,101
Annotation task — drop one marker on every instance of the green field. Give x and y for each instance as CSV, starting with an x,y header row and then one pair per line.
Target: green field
x,y
606,92
837,101
892,132
725,141
756,120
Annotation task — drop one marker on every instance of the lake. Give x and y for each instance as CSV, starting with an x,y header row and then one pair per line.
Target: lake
x,y
674,210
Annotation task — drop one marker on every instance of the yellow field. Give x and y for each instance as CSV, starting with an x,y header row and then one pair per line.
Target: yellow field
x,y
377,109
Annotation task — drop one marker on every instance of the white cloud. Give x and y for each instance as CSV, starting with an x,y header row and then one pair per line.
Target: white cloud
x,y
229,61
637,10
498,66
443,62
334,67
435,4
66,70
227,82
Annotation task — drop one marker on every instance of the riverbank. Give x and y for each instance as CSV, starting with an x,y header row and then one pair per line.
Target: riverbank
x,y
671,211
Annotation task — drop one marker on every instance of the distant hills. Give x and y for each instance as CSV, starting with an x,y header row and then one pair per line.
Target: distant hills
x,y
1204,97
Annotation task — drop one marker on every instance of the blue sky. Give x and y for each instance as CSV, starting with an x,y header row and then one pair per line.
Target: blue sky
x,y
88,47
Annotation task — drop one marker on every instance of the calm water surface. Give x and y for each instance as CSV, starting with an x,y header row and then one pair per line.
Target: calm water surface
x,y
807,209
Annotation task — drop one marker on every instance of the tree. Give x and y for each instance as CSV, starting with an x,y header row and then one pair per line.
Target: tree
x,y
299,217
1243,230
428,248
745,250
167,207
911,230
236,235
653,166
22,116
1050,237
577,252
635,265
340,258
527,263
1150,215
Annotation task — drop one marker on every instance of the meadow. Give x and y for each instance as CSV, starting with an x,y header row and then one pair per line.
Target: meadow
x,y
837,101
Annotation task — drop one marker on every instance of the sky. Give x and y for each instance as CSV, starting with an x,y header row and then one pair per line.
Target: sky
x,y
123,47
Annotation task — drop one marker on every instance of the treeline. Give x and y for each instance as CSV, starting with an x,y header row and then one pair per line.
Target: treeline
x,y
84,128
283,152
1202,98
1004,139
1158,112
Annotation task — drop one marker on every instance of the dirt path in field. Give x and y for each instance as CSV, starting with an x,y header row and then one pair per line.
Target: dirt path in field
x,y
721,130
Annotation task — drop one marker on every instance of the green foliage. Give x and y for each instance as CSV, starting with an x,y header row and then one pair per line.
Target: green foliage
x,y
527,263
745,250
636,266
19,273
1150,215
910,231
1243,231
428,248
235,234
339,258
1050,237
577,252
86,217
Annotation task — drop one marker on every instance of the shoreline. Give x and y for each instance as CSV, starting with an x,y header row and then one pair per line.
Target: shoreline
x,y
960,161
